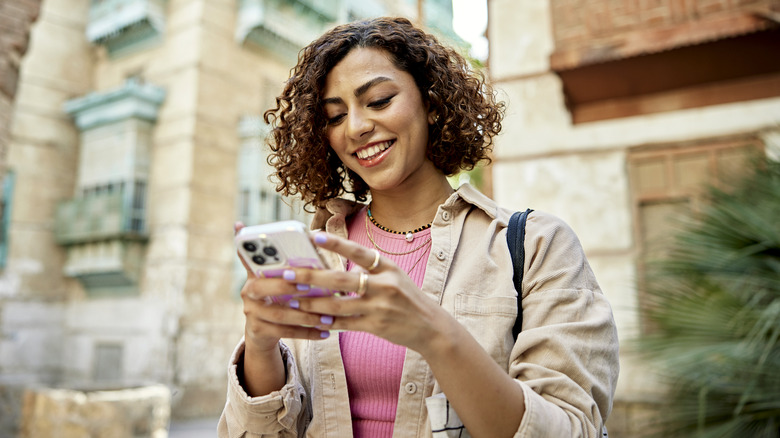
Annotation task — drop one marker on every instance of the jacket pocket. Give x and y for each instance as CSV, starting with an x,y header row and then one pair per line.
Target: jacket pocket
x,y
489,320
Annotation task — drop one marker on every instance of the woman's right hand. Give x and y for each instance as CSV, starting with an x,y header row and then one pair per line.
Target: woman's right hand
x,y
268,321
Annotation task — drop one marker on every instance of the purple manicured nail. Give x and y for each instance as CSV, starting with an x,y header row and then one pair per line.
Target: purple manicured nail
x,y
326,319
288,275
294,304
302,286
324,335
320,238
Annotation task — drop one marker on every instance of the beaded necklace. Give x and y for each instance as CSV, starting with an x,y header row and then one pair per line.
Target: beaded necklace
x,y
408,235
371,238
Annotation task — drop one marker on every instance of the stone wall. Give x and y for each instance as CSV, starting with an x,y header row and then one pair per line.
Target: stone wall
x,y
42,153
586,23
121,413
579,172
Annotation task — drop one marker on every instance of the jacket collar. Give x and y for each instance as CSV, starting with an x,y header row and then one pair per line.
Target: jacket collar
x,y
466,193
333,216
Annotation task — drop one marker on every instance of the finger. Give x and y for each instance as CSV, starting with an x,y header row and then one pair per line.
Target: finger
x,y
356,323
273,290
338,307
359,254
266,329
375,263
286,316
336,281
350,313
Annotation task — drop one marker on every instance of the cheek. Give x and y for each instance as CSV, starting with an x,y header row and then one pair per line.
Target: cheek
x,y
333,141
421,133
338,149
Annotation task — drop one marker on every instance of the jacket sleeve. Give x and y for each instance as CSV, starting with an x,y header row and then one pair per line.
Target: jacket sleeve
x,y
566,357
282,413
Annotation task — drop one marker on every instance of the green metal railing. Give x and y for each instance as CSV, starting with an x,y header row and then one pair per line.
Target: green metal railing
x,y
103,215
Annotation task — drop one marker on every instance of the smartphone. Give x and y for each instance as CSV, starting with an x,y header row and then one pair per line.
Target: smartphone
x,y
269,249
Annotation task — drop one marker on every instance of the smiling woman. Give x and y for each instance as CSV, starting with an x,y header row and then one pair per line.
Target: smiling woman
x,y
467,117
378,122
422,342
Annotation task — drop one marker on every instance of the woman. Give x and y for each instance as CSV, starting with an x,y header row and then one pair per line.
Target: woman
x,y
423,346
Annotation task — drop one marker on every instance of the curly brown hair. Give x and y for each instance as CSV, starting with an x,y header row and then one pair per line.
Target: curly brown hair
x,y
468,114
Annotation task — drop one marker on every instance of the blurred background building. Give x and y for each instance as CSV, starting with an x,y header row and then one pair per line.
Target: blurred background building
x,y
619,113
136,141
134,144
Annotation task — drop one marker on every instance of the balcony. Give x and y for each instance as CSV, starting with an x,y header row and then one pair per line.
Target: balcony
x,y
105,234
102,216
325,9
282,27
123,25
629,59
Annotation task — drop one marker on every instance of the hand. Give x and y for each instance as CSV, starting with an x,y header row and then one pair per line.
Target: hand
x,y
267,322
391,305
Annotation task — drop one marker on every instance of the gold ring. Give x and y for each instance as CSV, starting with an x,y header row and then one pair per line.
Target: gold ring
x,y
376,261
362,284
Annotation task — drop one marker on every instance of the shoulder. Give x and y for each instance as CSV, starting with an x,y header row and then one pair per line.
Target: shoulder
x,y
540,224
543,224
550,243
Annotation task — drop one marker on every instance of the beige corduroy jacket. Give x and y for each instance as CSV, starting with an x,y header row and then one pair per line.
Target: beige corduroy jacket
x,y
565,359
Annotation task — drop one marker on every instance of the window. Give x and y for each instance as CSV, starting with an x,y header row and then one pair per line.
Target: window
x,y
667,182
108,363
138,207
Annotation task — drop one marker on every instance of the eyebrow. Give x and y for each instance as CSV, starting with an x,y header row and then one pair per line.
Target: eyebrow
x,y
361,90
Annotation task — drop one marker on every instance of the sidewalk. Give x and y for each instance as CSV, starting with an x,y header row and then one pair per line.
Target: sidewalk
x,y
201,428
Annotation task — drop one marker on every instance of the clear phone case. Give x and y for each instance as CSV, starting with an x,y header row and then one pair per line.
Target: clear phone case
x,y
269,249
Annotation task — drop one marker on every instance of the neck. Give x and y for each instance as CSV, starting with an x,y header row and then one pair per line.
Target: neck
x,y
408,210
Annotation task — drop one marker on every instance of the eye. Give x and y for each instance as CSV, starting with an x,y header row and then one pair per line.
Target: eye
x,y
336,119
381,103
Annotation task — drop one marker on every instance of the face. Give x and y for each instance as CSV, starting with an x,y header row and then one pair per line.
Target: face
x,y
377,120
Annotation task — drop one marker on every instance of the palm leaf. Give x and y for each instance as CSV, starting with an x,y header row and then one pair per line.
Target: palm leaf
x,y
714,305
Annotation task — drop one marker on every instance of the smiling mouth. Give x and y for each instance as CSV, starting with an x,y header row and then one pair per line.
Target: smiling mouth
x,y
372,151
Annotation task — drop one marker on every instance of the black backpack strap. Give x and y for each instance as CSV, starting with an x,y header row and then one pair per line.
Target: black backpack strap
x,y
515,236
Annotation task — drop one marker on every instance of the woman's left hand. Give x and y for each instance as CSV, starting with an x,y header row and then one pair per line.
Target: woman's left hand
x,y
390,305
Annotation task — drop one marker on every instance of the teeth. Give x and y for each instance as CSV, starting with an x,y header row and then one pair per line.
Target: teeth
x,y
373,150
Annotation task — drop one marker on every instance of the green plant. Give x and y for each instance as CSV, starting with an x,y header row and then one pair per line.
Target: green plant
x,y
714,307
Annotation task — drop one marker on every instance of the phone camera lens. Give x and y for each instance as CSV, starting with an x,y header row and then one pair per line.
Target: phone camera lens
x,y
269,251
260,260
249,246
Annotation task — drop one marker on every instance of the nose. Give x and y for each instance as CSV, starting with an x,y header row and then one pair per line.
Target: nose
x,y
358,124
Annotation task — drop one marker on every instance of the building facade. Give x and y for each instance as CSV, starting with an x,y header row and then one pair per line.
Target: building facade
x,y
619,112
135,145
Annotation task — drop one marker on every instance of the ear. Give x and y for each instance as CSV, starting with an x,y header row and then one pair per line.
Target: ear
x,y
433,117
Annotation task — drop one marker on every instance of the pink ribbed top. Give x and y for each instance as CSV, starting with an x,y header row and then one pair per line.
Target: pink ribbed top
x,y
373,365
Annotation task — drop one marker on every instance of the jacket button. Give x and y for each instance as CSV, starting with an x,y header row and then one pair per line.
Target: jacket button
x,y
441,255
445,215
410,388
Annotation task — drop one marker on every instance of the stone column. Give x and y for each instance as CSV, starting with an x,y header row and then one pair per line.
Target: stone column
x,y
16,18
